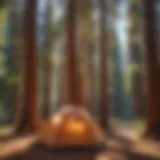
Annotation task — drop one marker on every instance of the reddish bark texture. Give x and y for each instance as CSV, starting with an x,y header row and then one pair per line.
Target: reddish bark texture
x,y
31,117
152,66
73,88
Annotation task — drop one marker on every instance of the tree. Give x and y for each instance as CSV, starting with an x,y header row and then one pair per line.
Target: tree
x,y
85,41
31,119
152,70
72,88
104,116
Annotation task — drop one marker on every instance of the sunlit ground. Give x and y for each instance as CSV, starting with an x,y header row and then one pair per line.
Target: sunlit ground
x,y
137,125
6,130
126,137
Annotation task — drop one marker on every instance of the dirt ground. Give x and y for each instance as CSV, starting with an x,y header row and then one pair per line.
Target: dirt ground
x,y
122,144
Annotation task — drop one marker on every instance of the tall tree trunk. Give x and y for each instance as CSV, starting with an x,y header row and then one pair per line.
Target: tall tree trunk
x,y
103,68
30,121
84,74
153,121
85,38
73,90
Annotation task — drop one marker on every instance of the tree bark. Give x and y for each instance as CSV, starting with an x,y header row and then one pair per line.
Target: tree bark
x,y
103,68
72,88
30,121
85,38
153,121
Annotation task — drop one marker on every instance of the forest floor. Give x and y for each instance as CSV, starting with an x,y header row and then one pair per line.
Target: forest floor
x,y
125,143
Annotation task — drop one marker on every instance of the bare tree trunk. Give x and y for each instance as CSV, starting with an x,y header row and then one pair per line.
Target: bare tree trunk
x,y
73,90
153,121
85,38
30,121
103,68
84,74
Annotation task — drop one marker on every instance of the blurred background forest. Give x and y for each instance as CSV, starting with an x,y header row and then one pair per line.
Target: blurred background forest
x,y
125,57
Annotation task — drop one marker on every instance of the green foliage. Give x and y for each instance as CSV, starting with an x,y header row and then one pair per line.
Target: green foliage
x,y
8,79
